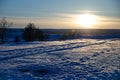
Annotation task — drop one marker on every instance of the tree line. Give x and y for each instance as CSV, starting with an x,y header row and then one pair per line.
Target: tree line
x,y
30,33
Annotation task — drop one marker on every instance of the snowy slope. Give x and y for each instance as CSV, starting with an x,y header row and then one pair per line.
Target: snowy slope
x,y
79,59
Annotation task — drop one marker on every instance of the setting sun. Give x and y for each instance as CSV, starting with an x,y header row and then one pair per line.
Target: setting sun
x,y
86,20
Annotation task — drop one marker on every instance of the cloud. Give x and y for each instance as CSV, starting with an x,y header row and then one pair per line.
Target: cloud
x,y
62,20
42,23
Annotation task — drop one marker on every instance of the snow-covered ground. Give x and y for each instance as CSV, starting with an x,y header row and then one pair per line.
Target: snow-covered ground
x,y
78,59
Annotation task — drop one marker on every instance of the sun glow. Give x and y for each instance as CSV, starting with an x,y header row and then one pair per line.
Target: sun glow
x,y
86,20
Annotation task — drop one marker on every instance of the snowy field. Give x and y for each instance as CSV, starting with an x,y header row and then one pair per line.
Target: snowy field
x,y
78,59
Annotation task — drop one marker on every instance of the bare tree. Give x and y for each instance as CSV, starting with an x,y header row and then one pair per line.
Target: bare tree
x,y
4,24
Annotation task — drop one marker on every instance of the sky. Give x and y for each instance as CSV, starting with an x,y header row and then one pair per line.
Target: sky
x,y
60,14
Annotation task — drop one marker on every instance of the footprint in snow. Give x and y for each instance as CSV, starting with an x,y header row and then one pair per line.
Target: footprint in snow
x,y
24,70
107,50
75,63
102,52
84,59
95,54
65,58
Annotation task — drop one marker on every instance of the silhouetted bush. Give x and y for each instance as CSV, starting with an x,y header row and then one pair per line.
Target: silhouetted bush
x,y
40,35
64,37
16,39
69,35
28,34
32,33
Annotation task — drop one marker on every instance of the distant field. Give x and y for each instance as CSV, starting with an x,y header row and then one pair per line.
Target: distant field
x,y
56,34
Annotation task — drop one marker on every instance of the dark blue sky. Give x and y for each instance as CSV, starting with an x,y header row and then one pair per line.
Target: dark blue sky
x,y
53,13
